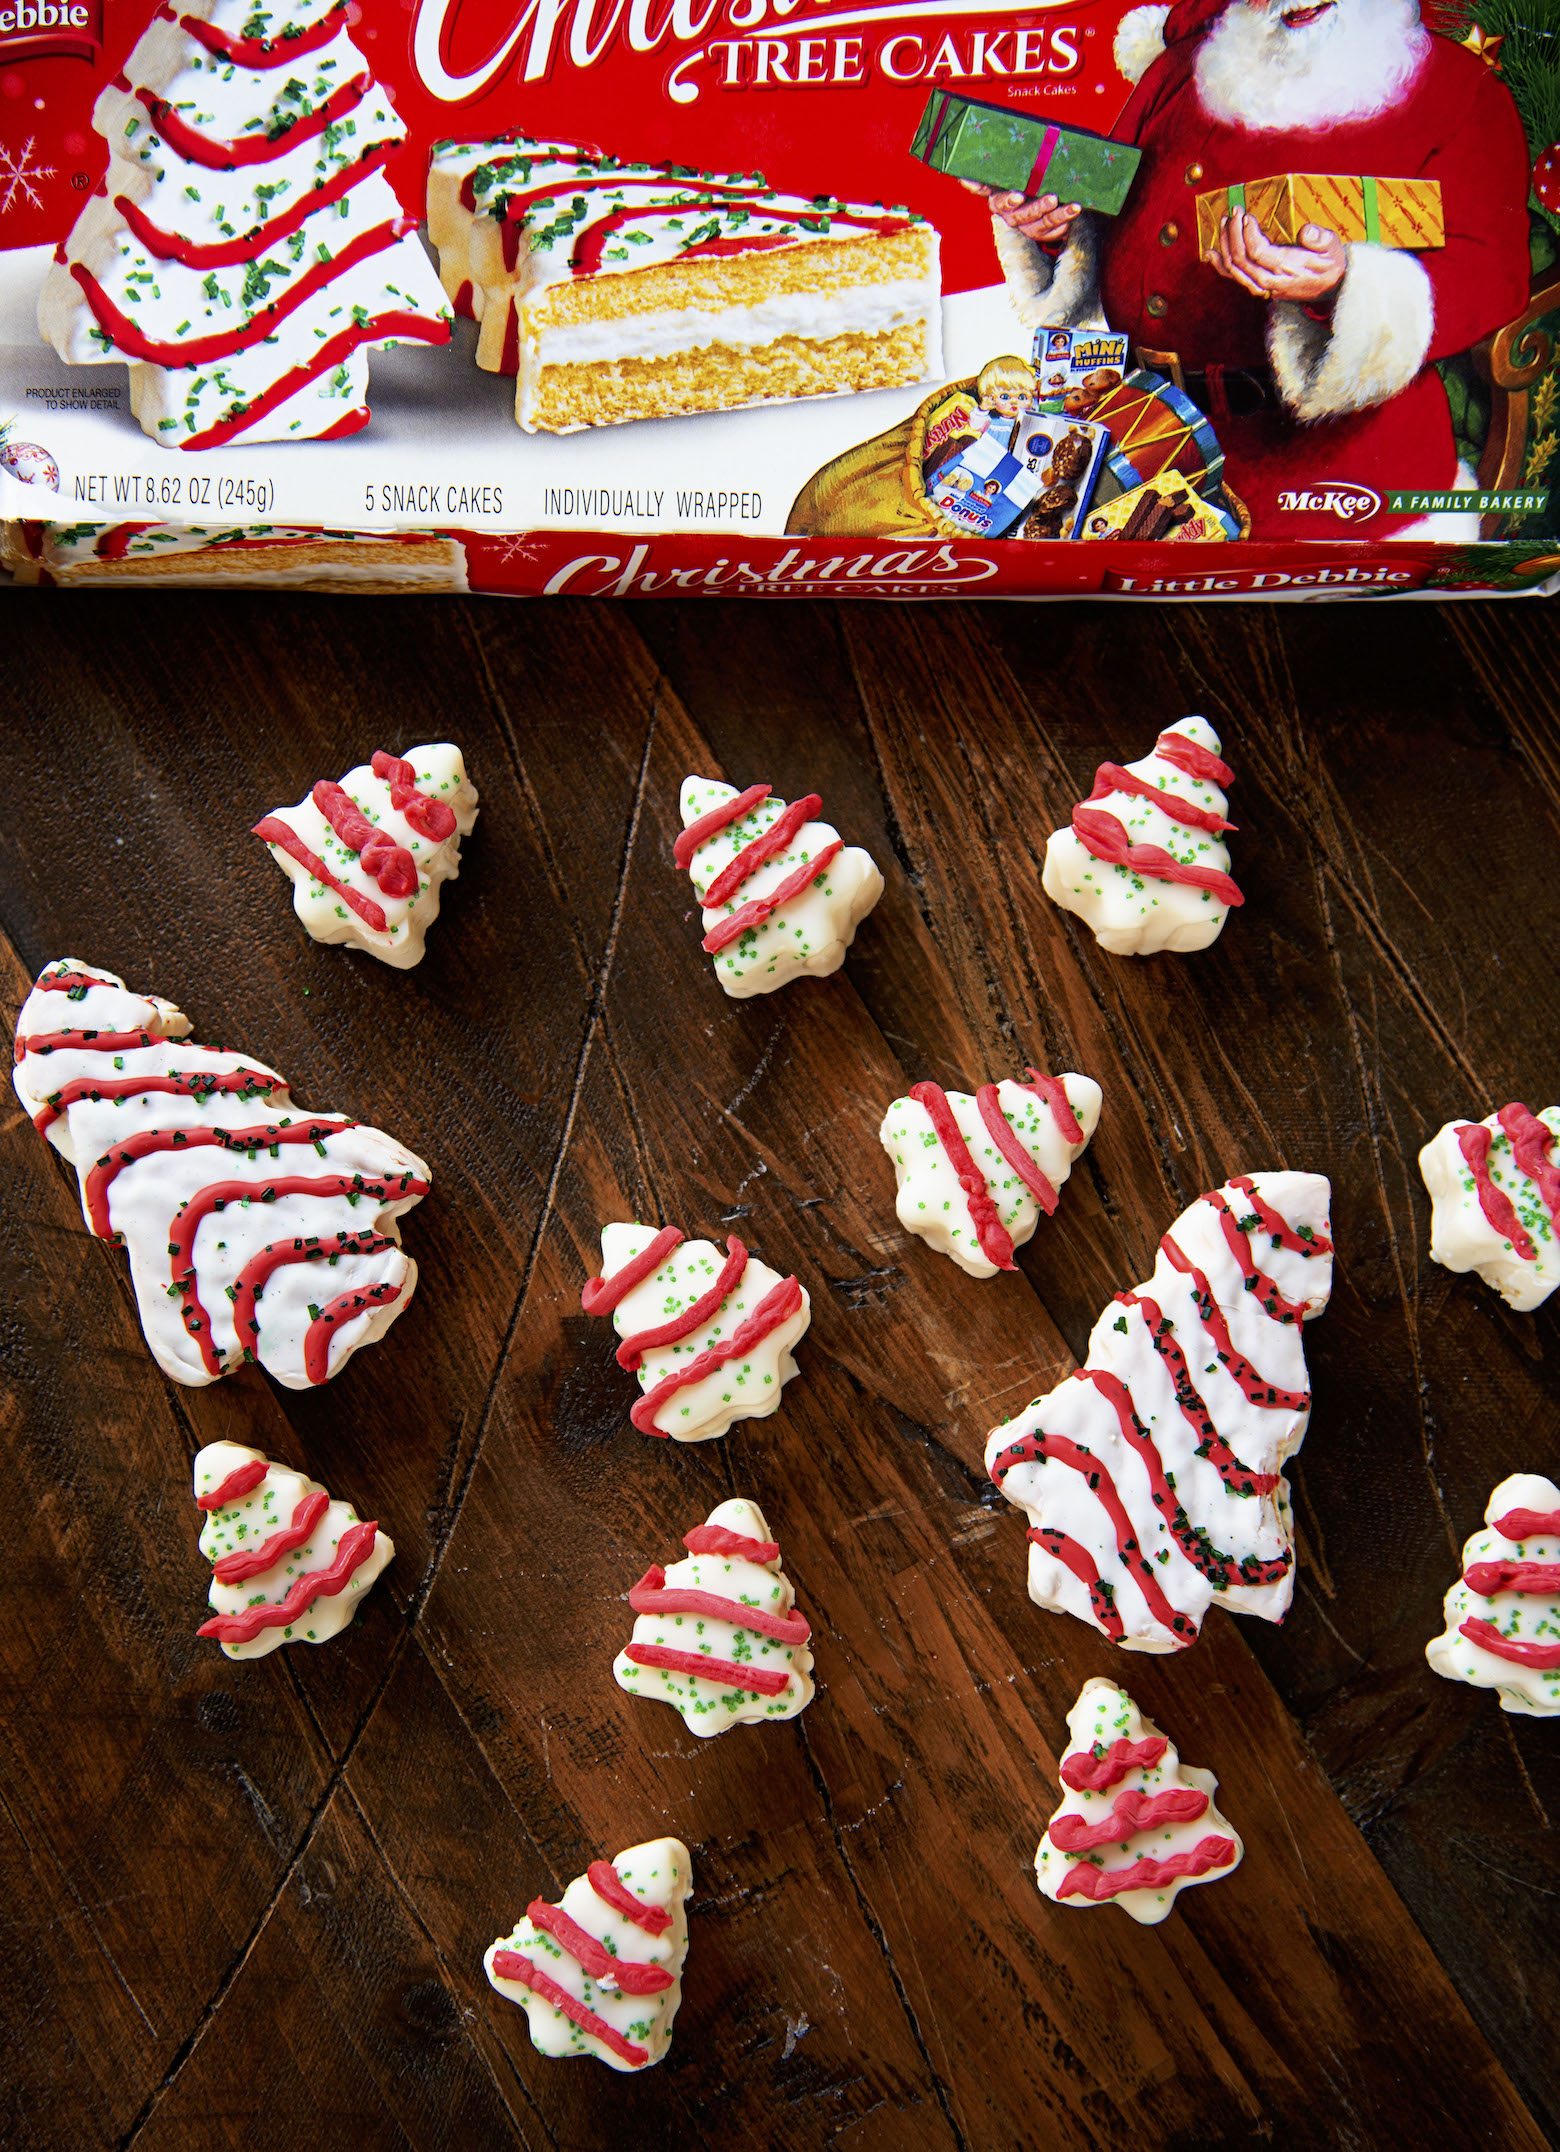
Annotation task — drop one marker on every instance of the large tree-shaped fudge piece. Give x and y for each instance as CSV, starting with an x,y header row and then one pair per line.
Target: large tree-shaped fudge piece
x,y
289,1564
368,857
781,893
1495,1201
1136,1824
1144,863
1503,1613
255,1231
976,1171
245,249
601,1974
718,1635
708,1335
1152,1475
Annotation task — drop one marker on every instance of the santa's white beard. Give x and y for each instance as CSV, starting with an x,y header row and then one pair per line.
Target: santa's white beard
x,y
1354,61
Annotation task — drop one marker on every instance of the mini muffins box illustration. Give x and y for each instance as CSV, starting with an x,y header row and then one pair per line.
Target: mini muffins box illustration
x,y
759,297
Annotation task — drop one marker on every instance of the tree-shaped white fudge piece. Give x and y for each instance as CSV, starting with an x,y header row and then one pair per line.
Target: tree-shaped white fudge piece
x,y
245,250
1151,1476
289,1564
709,1335
1503,1613
718,1635
976,1171
255,1231
1495,1201
1136,1824
601,1974
1144,863
781,892
368,857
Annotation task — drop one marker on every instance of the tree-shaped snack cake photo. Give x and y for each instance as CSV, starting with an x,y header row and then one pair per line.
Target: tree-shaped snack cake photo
x,y
1503,1613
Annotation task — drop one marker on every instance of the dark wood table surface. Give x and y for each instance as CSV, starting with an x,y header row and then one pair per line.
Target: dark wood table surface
x,y
244,1905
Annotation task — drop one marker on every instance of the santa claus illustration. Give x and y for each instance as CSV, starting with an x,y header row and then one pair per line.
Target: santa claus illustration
x,y
1314,361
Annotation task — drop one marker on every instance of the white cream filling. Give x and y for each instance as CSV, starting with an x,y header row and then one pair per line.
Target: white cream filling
x,y
867,310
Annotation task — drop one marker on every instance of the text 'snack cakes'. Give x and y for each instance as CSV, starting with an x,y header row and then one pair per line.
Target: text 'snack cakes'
x,y
781,892
601,1974
708,1335
1144,863
368,857
255,1231
1503,1613
718,1635
1152,1476
245,250
289,1565
1136,1825
977,1169
1495,1201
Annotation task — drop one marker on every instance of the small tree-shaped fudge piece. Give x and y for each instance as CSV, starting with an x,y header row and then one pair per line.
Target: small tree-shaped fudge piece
x,y
1495,1201
1136,1824
708,1335
368,857
1151,1476
1144,863
289,1564
718,1635
781,892
976,1171
1503,1613
255,1231
601,1974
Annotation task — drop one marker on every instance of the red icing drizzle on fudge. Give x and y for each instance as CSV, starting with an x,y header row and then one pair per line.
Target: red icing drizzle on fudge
x,y
1531,1141
719,818
988,1104
653,1595
777,1306
1528,1523
1525,1578
510,1965
599,1296
1542,1657
1195,759
390,864
610,1888
724,1671
631,1352
1087,1881
1105,836
995,1242
431,818
1114,777
242,1480
354,1549
1133,1811
716,1539
273,830
758,909
238,1568
627,1975
1089,1773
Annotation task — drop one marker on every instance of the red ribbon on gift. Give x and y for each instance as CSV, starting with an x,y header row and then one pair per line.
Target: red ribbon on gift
x,y
1048,146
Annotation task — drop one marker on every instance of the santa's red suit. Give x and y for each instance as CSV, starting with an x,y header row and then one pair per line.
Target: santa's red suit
x,y
1353,394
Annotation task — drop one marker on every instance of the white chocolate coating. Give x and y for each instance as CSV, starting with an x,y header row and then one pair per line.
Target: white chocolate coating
x,y
746,1389
242,1525
1462,1238
710,1707
146,1196
1132,914
1102,1715
931,1201
1198,1562
1531,1618
808,934
659,1873
441,775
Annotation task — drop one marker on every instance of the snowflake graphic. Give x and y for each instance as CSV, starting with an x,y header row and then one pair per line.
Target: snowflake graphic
x,y
20,173
522,549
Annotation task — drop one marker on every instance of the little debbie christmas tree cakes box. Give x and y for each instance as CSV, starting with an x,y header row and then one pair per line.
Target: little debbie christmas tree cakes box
x,y
626,298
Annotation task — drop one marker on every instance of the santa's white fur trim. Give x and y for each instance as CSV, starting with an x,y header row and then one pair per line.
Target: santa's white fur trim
x,y
1373,346
1059,294
1140,39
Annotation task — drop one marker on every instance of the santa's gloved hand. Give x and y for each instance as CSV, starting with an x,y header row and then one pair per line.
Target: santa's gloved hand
x,y
1041,218
1305,274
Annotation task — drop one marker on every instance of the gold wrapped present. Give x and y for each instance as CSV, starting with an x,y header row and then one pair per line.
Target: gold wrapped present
x,y
1388,212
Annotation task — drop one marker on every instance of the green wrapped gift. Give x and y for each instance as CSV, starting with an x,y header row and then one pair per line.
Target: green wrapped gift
x,y
1023,152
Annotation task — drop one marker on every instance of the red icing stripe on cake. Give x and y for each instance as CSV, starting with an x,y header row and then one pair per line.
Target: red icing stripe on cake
x,y
239,1567
758,909
653,1595
244,1479
625,1974
1255,1280
249,246
259,52
1212,1318
397,326
610,1888
631,1352
988,1103
191,1083
777,1306
1239,1478
354,1549
1134,1811
345,1308
599,1296
715,1539
1088,1773
590,247
995,1243
1106,837
1274,1223
98,1042
251,149
70,982
510,1965
1081,1562
726,1672
1087,1881
1542,1657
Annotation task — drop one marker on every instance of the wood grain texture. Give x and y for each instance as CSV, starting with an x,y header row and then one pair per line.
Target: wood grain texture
x,y
250,1901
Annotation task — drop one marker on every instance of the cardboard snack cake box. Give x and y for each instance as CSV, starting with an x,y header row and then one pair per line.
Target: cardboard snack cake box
x,y
636,299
